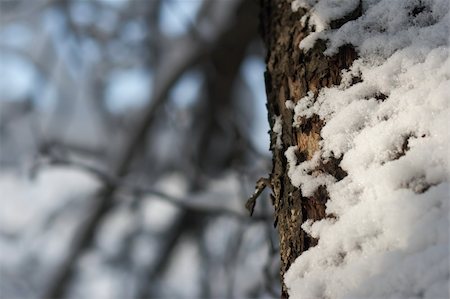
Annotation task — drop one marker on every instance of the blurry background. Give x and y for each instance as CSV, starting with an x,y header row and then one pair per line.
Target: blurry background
x,y
131,134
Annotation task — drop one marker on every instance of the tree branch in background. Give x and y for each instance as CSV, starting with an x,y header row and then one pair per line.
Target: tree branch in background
x,y
184,54
190,205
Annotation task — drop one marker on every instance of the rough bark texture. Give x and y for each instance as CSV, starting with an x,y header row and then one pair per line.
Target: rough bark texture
x,y
291,73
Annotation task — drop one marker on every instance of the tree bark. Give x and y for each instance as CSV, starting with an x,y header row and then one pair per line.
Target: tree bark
x,y
290,74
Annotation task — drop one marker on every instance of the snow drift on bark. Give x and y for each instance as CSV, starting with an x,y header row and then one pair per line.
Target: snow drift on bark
x,y
390,236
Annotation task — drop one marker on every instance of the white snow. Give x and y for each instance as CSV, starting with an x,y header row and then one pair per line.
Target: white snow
x,y
289,104
299,174
319,15
303,108
390,237
278,130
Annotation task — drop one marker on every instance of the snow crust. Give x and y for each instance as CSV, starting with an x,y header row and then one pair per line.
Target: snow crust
x,y
390,234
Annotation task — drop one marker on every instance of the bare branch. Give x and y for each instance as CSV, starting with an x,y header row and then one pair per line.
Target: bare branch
x,y
182,203
261,184
23,10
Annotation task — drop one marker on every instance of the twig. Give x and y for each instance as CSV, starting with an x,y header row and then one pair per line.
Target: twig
x,y
261,184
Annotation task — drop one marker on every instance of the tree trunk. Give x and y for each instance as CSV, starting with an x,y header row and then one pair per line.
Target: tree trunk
x,y
291,73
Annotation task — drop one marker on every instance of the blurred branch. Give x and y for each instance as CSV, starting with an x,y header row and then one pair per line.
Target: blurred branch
x,y
167,247
22,10
86,232
185,204
206,261
231,260
183,55
271,272
271,276
67,147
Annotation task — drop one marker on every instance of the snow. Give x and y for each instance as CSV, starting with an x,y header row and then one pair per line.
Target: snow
x,y
390,236
303,108
320,13
278,130
289,104
300,176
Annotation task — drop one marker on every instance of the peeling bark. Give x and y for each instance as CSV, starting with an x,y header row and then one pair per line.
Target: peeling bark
x,y
291,73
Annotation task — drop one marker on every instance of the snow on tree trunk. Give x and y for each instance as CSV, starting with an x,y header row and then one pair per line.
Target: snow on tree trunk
x,y
357,95
292,74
